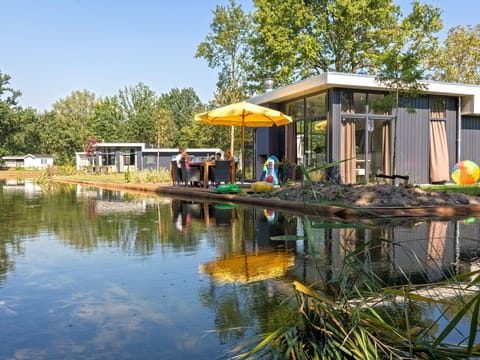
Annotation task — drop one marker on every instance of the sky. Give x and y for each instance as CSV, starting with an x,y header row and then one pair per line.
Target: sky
x,y
51,48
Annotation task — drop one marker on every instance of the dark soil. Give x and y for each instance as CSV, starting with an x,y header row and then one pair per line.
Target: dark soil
x,y
373,195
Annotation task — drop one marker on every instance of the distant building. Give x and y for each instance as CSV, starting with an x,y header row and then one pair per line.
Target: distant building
x,y
119,157
29,161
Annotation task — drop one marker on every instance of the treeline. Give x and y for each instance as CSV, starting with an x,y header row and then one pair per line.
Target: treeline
x,y
286,40
135,114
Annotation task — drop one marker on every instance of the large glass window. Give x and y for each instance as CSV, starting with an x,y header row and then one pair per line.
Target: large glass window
x,y
365,142
316,131
354,102
310,116
295,109
376,105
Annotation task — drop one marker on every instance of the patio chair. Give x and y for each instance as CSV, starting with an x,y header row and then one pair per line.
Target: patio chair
x,y
176,173
220,172
190,175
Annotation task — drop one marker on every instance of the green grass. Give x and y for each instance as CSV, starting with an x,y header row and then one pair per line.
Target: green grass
x,y
464,189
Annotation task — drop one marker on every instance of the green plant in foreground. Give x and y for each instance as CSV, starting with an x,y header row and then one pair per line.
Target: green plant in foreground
x,y
355,315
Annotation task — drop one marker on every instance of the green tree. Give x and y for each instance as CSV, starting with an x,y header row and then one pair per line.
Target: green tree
x,y
9,122
138,106
459,58
72,123
166,128
296,39
108,120
226,48
181,106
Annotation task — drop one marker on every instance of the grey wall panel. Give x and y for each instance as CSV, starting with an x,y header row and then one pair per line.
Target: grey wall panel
x,y
470,139
451,128
413,140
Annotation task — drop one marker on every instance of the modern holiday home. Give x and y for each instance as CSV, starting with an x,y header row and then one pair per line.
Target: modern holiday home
x,y
336,122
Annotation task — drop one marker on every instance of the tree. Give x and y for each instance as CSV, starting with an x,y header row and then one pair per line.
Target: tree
x,y
138,106
297,39
72,120
179,106
9,122
108,120
226,48
459,58
399,66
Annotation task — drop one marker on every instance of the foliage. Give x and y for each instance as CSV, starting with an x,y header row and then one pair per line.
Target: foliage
x,y
138,105
297,39
148,176
354,315
177,110
9,116
459,59
225,47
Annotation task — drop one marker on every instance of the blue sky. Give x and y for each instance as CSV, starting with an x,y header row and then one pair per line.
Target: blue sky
x,y
53,47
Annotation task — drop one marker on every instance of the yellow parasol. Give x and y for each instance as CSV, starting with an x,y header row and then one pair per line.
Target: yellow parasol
x,y
321,125
244,114
249,267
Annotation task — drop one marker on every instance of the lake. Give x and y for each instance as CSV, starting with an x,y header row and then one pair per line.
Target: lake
x,y
89,273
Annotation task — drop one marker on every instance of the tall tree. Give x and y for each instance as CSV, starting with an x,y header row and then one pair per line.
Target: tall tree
x,y
226,48
139,106
72,123
108,120
9,119
459,58
180,106
296,39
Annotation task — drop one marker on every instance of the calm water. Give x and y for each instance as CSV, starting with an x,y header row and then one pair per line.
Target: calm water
x,y
95,274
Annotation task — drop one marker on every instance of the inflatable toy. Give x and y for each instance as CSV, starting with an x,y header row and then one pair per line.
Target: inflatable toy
x,y
270,170
261,186
228,188
465,172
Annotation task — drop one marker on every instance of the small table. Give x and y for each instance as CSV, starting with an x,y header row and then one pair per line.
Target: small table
x,y
205,169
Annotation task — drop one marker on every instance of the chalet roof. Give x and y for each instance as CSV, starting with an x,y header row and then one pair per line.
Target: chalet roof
x,y
469,94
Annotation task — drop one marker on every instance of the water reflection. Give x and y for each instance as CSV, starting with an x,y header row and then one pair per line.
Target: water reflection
x,y
93,273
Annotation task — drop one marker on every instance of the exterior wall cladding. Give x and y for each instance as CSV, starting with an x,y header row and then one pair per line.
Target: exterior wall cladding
x,y
470,139
413,136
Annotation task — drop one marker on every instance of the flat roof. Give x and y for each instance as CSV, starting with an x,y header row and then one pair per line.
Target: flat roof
x,y
470,94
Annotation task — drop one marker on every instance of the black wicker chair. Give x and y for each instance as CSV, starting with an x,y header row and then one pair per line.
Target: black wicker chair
x,y
176,173
190,175
220,172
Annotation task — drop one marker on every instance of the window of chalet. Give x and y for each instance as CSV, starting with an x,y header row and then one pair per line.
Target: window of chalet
x,y
438,107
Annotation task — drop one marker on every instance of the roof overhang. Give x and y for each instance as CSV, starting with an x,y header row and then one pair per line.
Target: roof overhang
x,y
469,94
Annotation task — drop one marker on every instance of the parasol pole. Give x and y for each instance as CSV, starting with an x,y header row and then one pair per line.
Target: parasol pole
x,y
232,140
243,147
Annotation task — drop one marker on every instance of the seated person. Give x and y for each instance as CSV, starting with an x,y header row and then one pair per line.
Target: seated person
x,y
218,155
227,155
182,154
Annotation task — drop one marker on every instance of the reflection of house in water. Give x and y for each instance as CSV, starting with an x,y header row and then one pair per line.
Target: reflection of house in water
x,y
27,186
425,250
105,201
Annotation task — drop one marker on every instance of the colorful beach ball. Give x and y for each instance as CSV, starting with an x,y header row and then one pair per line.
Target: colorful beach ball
x,y
465,172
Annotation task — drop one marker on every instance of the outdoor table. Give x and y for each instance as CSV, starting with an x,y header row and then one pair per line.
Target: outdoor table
x,y
205,169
